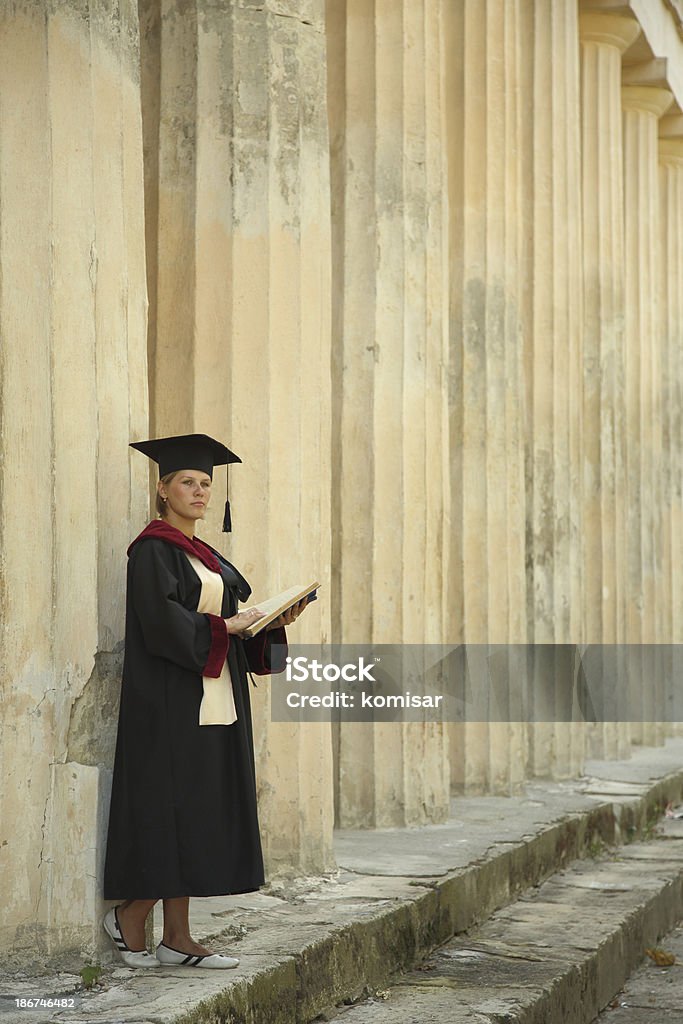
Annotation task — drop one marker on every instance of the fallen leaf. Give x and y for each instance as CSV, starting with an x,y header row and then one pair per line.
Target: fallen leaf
x,y
661,957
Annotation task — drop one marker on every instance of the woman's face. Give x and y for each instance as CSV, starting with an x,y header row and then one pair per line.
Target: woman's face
x,y
187,494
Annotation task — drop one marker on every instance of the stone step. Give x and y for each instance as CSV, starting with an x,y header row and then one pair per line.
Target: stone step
x,y
654,993
557,955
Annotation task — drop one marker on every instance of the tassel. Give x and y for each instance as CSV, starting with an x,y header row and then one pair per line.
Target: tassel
x,y
227,520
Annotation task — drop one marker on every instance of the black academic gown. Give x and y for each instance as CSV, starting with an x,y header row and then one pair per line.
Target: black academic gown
x,y
183,818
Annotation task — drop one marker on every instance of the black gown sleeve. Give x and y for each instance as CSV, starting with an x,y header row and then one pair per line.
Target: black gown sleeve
x,y
195,641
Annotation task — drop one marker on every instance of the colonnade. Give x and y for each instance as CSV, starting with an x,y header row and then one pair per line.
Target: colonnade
x,y
420,263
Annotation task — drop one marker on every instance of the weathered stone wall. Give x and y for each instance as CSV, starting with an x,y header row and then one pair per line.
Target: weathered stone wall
x,y
73,388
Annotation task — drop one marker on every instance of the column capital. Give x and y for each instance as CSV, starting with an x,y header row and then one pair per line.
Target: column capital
x,y
647,72
646,99
671,151
671,126
608,29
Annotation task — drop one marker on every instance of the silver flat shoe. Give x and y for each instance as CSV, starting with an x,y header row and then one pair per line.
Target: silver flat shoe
x,y
174,958
130,957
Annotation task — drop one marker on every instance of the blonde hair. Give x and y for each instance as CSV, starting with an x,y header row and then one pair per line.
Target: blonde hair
x,y
160,503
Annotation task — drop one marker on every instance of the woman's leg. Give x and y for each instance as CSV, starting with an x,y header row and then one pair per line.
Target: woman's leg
x,y
177,927
132,915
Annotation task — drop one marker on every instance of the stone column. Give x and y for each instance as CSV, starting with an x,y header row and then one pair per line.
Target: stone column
x,y
487,597
604,37
643,106
389,380
553,375
237,171
671,319
73,390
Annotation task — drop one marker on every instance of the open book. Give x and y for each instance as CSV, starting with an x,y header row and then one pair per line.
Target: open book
x,y
275,606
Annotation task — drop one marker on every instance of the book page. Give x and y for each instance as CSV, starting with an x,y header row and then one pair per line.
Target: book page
x,y
273,607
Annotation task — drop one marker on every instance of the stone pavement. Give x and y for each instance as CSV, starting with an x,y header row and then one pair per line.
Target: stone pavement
x,y
312,946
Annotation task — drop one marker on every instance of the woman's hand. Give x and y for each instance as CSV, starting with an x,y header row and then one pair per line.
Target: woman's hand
x,y
243,620
288,617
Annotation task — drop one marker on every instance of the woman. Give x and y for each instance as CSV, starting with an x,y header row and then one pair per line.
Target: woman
x,y
183,818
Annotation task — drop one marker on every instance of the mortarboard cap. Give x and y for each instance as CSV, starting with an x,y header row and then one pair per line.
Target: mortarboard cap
x,y
189,451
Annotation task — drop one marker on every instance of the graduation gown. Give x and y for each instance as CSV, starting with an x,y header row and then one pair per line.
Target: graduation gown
x,y
183,818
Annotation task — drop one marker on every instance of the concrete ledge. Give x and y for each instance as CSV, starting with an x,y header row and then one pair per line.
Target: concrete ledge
x,y
308,944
